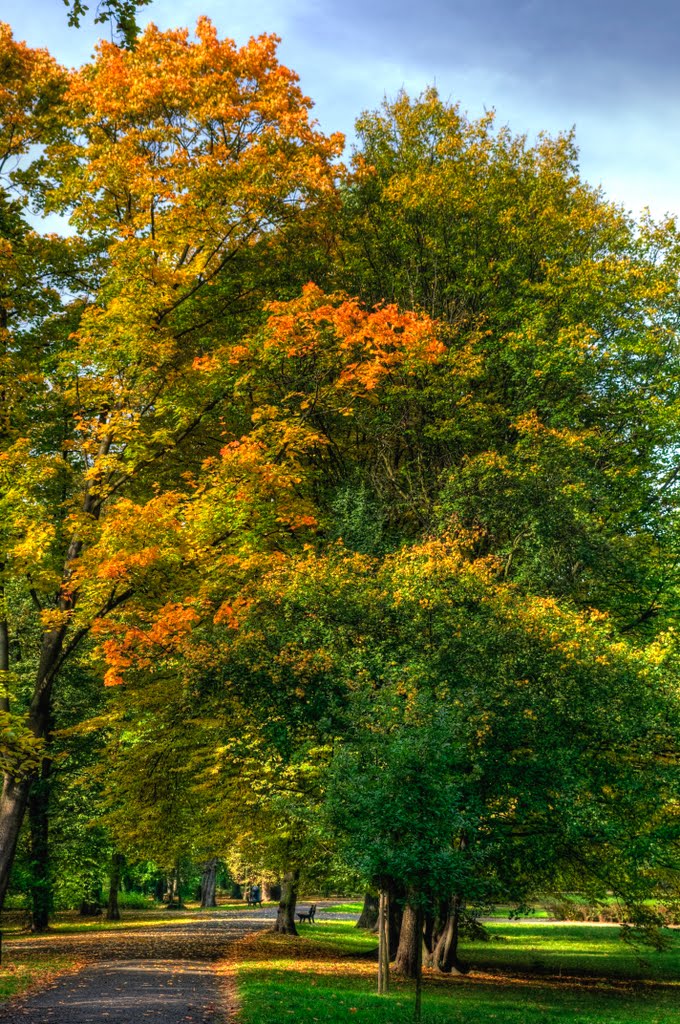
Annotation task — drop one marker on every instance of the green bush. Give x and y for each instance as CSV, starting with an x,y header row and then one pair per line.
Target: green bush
x,y
573,909
16,901
136,901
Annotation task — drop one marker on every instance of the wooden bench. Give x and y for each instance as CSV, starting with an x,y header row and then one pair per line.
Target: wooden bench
x,y
307,915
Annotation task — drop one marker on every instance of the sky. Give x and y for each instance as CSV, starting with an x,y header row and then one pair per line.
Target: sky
x,y
608,68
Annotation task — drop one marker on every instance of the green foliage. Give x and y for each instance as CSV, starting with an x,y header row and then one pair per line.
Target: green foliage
x,y
562,328
135,901
122,14
20,750
398,798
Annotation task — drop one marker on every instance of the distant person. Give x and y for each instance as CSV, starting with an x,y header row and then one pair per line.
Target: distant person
x,y
255,895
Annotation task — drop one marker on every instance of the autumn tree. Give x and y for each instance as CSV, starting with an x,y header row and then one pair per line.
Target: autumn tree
x,y
332,638
552,432
402,530
181,164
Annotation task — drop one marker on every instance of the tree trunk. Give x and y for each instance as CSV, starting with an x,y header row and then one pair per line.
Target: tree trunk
x,y
15,792
428,935
383,942
13,803
445,956
406,962
175,901
90,908
369,914
112,908
53,652
417,1014
178,886
91,905
285,918
271,891
209,883
396,914
41,882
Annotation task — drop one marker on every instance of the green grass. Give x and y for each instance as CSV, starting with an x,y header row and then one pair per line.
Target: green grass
x,y
503,913
345,908
591,951
30,972
322,979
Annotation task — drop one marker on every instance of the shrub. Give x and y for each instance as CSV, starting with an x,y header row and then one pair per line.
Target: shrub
x,y
136,901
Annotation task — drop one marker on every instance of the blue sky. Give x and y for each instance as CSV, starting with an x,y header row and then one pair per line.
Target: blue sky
x,y
609,68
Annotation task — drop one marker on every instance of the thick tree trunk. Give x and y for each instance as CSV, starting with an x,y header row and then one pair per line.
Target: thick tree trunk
x,y
112,908
369,914
396,916
41,882
209,883
13,802
285,918
15,792
410,941
445,956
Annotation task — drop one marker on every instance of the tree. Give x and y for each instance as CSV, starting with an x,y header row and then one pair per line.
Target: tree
x,y
344,638
550,430
499,746
181,172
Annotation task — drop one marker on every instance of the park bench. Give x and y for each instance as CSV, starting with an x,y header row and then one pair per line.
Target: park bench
x,y
307,915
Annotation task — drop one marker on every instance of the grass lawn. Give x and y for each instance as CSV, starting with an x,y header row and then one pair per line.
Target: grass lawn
x,y
528,975
345,908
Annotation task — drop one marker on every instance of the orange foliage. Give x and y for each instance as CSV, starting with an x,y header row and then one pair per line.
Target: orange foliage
x,y
30,80
371,343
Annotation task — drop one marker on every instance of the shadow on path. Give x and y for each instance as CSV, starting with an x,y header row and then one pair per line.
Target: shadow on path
x,y
125,993
161,972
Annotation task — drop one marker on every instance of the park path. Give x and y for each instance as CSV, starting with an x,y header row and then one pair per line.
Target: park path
x,y
163,971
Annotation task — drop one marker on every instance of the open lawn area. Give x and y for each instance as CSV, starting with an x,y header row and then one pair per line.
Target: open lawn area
x,y
525,975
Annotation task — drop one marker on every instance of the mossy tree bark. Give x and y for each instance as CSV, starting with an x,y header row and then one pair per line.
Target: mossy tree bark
x,y
285,918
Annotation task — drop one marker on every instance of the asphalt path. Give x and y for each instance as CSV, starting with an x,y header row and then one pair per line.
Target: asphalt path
x,y
161,972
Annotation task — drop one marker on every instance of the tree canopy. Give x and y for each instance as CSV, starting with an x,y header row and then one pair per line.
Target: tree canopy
x,y
356,486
